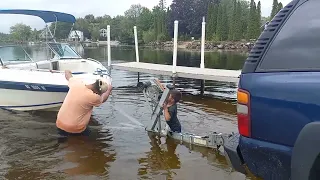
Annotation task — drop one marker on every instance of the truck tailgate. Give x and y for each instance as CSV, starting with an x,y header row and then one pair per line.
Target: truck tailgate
x,y
281,104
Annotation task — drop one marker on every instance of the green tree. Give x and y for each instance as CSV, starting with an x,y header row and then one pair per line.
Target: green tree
x,y
35,35
237,21
251,21
133,12
83,24
233,22
160,21
211,22
4,37
20,32
149,36
258,20
274,10
60,30
225,24
280,6
145,20
219,23
89,18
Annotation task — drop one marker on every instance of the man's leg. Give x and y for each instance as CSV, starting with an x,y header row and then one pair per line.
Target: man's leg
x,y
86,132
63,136
62,132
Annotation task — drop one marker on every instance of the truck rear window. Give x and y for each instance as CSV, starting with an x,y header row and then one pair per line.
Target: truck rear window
x,y
297,45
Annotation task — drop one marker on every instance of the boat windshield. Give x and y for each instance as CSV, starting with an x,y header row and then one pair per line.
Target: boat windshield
x,y
13,54
63,51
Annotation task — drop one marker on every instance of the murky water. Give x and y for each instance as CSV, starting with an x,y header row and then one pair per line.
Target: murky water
x,y
118,147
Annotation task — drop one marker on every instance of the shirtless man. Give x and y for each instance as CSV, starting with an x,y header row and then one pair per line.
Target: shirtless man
x,y
75,112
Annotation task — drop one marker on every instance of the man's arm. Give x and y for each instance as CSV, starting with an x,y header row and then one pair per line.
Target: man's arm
x,y
106,94
101,99
167,115
68,74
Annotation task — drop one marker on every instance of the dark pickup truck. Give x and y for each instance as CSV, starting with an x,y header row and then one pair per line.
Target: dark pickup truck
x,y
278,102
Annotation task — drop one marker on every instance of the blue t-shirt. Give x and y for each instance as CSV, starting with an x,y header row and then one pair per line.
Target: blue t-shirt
x,y
174,123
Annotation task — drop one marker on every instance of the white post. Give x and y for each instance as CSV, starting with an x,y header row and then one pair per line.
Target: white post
x,y
136,42
175,46
203,42
109,48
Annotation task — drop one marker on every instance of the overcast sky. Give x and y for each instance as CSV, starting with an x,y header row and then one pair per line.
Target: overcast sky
x,y
80,8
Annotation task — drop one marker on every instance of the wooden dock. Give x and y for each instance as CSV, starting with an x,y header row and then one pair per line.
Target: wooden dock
x,y
181,71
173,70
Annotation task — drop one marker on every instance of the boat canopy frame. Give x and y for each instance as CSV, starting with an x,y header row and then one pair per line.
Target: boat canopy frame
x,y
47,17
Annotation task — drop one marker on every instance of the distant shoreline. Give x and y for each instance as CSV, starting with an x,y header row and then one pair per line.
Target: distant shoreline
x,y
192,46
209,45
189,46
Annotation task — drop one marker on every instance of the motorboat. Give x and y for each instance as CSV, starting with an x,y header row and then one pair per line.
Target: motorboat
x,y
28,85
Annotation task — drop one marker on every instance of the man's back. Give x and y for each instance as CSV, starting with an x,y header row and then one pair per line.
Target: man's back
x,y
75,112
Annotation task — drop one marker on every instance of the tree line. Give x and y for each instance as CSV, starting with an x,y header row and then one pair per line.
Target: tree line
x,y
234,20
225,20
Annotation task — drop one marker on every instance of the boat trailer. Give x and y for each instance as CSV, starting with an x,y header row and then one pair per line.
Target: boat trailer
x,y
156,94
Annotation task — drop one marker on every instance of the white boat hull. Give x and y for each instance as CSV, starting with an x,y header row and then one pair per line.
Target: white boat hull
x,y
26,85
31,90
22,100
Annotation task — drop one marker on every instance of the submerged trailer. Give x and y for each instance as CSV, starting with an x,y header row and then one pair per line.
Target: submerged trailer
x,y
156,94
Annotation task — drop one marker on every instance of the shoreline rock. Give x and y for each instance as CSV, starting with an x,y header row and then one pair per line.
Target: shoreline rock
x,y
210,45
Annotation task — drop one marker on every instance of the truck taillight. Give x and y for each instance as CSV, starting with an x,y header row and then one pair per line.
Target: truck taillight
x,y
243,112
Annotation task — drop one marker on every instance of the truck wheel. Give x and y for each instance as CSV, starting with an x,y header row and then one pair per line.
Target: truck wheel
x,y
305,159
315,170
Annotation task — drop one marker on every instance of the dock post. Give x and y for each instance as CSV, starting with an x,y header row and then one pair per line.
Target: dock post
x,y
109,46
203,39
136,42
202,87
203,42
175,47
136,47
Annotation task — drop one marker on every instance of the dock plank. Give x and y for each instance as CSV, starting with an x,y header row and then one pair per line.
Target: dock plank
x,y
181,71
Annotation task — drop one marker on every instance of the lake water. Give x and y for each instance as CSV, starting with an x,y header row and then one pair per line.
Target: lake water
x,y
117,147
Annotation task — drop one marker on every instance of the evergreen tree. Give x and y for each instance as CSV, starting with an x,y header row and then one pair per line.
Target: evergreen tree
x,y
225,24
251,20
280,6
210,22
258,20
238,31
214,18
274,10
233,24
219,23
